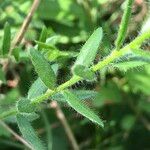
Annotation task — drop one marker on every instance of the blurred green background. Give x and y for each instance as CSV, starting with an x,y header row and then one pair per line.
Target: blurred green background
x,y
122,95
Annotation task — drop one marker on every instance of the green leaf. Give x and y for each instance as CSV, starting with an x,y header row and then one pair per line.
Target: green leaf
x,y
37,89
125,66
15,53
141,52
135,59
43,35
43,68
124,24
84,72
89,49
45,46
30,116
81,94
2,76
73,101
29,133
6,39
24,105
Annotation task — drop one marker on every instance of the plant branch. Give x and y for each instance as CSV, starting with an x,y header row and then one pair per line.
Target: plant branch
x,y
110,58
19,138
63,120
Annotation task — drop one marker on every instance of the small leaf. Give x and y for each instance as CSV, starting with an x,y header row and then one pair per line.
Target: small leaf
x,y
43,68
6,39
43,36
89,49
36,89
29,133
30,116
15,53
84,72
125,66
81,94
73,101
24,105
45,46
2,76
136,58
124,24
141,52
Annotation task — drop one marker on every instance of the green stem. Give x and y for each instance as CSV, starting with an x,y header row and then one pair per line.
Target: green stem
x,y
139,40
113,56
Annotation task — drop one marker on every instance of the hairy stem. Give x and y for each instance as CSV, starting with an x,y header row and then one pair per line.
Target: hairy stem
x,y
110,58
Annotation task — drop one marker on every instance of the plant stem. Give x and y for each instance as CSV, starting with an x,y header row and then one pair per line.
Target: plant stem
x,y
25,25
110,58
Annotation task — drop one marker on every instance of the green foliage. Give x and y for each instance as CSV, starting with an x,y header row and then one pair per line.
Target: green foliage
x,y
114,82
81,94
24,105
89,50
16,54
2,76
43,68
29,133
125,66
43,35
37,88
124,24
73,101
83,72
6,39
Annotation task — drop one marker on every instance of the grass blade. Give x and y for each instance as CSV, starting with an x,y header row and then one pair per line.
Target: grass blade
x,y
81,108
